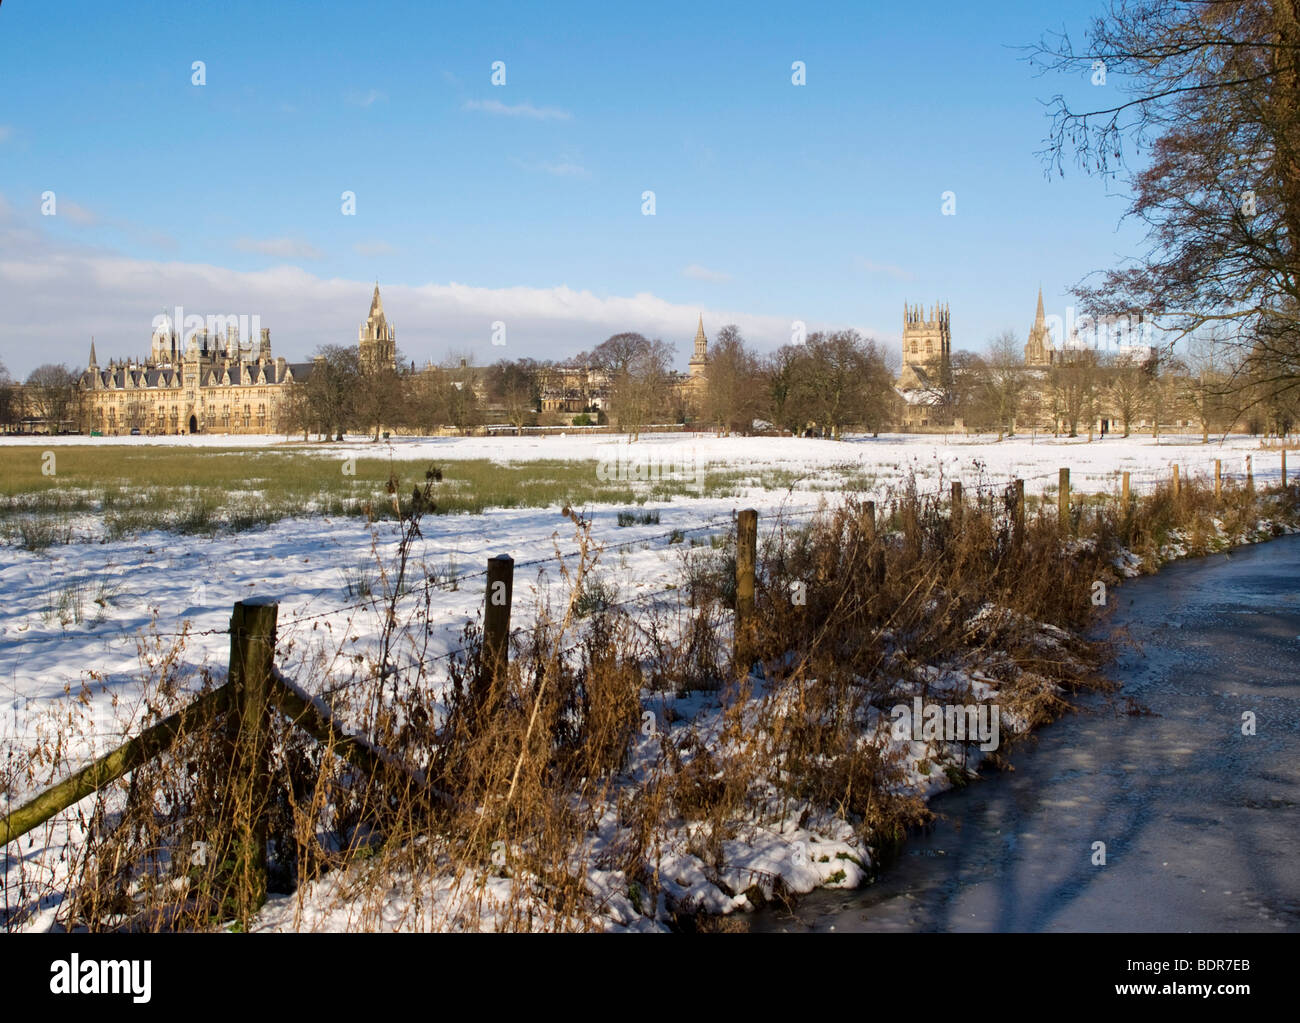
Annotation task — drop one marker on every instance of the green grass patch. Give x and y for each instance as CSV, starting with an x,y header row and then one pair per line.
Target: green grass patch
x,y
206,491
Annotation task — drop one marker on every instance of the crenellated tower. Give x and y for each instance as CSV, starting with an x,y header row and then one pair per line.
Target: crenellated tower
x,y
927,346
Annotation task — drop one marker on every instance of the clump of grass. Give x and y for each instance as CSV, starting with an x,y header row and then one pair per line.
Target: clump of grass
x,y
635,518
38,533
65,603
359,580
196,517
598,595
446,575
107,589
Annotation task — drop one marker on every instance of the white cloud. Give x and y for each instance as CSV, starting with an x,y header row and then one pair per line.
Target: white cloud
x,y
379,248
6,133
61,293
280,248
77,214
494,106
702,273
365,99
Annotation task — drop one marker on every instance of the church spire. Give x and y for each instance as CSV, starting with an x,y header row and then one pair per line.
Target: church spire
x,y
700,358
94,363
1040,319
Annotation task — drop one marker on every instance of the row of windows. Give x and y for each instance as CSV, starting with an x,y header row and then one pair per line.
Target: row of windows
x,y
162,414
260,392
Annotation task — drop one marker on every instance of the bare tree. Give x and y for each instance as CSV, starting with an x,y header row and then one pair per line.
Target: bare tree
x,y
464,407
639,377
789,388
379,390
1074,381
969,394
1006,381
1127,389
847,381
51,394
1209,94
331,388
735,389
9,412
514,386
426,402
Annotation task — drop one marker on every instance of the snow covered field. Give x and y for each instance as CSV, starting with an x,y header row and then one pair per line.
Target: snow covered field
x,y
1021,456
306,562
75,613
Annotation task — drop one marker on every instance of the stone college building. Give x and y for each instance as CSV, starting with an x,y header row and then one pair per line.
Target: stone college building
x,y
209,384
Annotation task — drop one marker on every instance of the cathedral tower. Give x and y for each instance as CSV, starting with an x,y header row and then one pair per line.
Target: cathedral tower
x,y
927,347
376,338
1039,351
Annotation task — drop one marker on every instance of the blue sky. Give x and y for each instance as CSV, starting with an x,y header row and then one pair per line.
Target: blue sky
x,y
522,202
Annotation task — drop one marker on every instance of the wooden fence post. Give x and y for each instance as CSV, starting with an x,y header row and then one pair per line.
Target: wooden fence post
x,y
1218,478
746,558
1125,493
496,624
878,556
957,508
1019,512
1250,474
1284,468
242,867
1177,489
1063,500
911,527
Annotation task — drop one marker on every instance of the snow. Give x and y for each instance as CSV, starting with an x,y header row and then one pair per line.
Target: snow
x,y
53,671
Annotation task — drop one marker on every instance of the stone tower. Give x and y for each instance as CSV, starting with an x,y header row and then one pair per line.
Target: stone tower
x,y
92,369
1039,352
700,358
927,347
376,338
163,347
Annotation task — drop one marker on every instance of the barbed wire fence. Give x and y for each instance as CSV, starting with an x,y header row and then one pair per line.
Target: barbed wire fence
x,y
1262,467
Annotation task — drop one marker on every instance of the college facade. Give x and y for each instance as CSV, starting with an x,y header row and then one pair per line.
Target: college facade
x,y
204,383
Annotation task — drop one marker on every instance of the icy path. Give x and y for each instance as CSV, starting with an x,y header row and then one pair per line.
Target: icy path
x,y
1199,821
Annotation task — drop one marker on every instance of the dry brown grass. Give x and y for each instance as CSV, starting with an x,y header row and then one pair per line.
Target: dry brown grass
x,y
503,786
